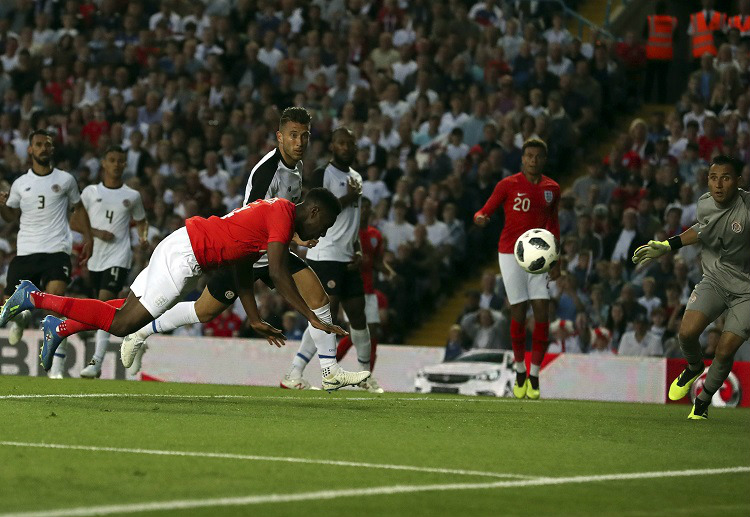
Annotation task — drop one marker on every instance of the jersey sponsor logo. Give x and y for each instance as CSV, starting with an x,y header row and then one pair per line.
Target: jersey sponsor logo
x,y
56,188
736,227
548,195
229,295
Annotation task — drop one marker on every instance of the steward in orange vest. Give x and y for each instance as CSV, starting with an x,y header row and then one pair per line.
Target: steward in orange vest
x,y
703,24
741,23
659,44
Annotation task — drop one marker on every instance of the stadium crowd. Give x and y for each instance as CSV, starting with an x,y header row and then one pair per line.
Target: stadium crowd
x,y
440,96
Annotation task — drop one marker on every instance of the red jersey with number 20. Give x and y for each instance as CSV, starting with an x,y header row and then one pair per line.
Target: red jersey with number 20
x,y
241,234
371,241
526,205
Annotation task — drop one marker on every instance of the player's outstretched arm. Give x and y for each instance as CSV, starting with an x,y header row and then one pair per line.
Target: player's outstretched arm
x,y
282,279
245,280
655,249
482,217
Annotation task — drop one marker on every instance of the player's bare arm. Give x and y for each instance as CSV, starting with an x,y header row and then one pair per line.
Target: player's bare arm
x,y
282,279
356,262
8,214
245,280
80,223
311,243
142,229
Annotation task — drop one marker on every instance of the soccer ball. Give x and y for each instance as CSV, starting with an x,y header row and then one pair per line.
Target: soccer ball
x,y
537,251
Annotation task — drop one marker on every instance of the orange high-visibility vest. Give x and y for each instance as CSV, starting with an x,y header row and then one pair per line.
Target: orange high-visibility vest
x,y
736,22
703,32
659,45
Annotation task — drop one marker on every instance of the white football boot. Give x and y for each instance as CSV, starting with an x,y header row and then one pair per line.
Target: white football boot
x,y
136,366
339,378
17,326
93,370
129,349
371,385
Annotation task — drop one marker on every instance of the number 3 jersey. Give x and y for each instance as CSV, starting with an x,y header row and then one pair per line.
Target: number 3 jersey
x,y
44,202
111,209
527,205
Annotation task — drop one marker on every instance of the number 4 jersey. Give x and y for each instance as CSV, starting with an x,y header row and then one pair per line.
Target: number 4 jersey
x,y
527,205
111,209
44,202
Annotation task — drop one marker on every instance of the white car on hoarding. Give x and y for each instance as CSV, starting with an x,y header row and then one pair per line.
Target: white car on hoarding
x,y
477,372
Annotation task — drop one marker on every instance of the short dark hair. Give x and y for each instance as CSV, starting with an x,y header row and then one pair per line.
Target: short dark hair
x,y
734,163
42,132
534,142
296,114
325,199
113,149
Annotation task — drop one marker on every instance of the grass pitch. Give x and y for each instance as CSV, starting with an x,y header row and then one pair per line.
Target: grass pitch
x,y
135,448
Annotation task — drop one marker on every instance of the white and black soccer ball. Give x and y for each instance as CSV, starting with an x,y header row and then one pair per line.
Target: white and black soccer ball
x,y
537,251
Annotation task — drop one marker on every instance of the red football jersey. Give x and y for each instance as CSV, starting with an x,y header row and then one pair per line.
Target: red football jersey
x,y
242,233
526,205
372,248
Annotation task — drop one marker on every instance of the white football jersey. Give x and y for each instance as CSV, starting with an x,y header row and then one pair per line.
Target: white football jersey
x,y
44,202
111,209
272,178
338,243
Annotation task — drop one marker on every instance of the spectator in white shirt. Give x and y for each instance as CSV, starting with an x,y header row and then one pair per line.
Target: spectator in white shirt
x,y
373,188
405,66
688,205
536,108
422,88
557,33
398,231
437,231
557,63
698,112
270,55
456,148
649,300
392,106
455,117
639,342
511,42
212,177
389,137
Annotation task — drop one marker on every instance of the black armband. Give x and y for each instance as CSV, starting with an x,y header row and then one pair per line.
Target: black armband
x,y
675,243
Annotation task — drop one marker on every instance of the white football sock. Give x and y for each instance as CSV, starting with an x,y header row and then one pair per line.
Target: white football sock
x,y
306,352
181,314
534,370
520,367
325,343
361,340
58,360
102,341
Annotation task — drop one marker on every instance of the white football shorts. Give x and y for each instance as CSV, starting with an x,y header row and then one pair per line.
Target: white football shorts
x,y
521,286
172,272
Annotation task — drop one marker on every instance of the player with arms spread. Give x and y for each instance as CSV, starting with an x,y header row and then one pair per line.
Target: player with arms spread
x,y
723,231
529,200
235,240
40,200
111,206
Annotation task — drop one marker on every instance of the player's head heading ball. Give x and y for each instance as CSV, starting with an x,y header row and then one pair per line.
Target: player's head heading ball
x,y
316,214
533,156
41,147
723,178
293,134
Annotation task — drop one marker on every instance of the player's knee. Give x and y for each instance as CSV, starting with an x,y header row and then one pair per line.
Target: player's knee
x,y
120,328
204,316
686,334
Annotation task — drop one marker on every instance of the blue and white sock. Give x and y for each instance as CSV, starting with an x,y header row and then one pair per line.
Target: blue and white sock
x,y
306,352
181,314
325,343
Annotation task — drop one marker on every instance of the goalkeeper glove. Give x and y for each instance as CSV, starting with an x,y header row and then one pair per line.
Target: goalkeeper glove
x,y
650,251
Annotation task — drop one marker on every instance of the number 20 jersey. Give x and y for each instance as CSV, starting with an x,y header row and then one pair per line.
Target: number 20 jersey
x,y
111,209
527,205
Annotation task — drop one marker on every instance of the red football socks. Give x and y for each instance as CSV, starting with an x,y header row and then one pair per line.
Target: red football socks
x,y
95,313
518,340
539,342
69,327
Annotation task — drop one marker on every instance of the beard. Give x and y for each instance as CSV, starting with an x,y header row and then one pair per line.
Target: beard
x,y
41,161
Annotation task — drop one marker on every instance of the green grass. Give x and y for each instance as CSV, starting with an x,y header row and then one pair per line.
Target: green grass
x,y
540,439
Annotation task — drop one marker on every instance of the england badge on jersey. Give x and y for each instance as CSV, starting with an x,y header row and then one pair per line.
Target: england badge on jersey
x,y
56,188
548,195
126,203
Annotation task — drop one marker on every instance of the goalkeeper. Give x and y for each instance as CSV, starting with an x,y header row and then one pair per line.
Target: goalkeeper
x,y
723,231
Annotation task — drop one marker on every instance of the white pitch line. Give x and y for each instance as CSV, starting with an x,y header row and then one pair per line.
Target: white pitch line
x,y
186,504
248,397
253,457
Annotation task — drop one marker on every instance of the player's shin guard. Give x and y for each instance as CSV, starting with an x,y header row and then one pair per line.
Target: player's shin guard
x,y
361,340
325,343
715,377
518,340
70,326
691,349
181,314
345,343
539,344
